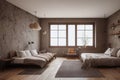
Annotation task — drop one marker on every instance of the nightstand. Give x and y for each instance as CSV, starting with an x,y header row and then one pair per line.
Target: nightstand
x,y
4,63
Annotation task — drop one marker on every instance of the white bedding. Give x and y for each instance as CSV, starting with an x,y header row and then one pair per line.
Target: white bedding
x,y
33,58
30,60
99,59
85,56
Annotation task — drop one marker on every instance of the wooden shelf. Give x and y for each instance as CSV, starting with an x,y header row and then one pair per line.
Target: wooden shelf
x,y
116,33
114,26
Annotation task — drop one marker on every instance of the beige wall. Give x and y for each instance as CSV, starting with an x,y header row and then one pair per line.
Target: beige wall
x,y
101,34
14,30
112,39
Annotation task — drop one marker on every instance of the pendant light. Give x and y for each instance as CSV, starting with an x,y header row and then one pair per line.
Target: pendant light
x,y
35,25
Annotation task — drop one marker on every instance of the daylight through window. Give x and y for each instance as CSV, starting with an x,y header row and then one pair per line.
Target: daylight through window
x,y
71,35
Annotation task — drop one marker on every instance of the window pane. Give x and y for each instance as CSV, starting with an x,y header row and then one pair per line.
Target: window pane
x,y
53,27
89,42
80,27
62,34
62,27
80,33
71,35
80,42
53,42
89,27
53,34
62,42
89,33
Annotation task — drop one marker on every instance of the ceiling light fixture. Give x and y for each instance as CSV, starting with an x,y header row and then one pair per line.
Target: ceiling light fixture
x,y
35,25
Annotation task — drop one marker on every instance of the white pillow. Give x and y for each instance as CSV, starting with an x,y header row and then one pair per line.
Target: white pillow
x,y
108,52
114,52
34,52
111,52
118,53
22,54
28,53
18,54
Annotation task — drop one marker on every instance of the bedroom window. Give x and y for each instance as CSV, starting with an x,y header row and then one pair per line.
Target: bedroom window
x,y
84,35
58,35
72,35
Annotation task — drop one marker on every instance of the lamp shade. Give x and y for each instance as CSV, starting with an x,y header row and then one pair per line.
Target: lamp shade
x,y
35,26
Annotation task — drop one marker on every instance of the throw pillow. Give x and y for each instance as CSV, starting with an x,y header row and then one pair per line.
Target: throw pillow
x,y
22,54
108,52
114,52
28,53
34,52
18,54
118,53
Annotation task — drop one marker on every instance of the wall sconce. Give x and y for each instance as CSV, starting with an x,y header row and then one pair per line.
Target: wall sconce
x,y
35,26
44,32
30,42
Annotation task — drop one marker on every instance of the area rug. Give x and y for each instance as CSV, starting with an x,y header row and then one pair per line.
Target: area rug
x,y
32,71
73,69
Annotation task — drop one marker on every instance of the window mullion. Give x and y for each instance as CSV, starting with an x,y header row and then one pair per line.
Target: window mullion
x,y
58,35
66,34
75,34
84,35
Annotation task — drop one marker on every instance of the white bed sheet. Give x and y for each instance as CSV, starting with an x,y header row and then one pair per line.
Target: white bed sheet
x,y
85,56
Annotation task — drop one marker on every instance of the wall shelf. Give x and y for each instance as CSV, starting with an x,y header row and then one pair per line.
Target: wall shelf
x,y
114,26
116,33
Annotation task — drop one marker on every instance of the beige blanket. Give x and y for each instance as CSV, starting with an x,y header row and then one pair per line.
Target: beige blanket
x,y
36,61
93,60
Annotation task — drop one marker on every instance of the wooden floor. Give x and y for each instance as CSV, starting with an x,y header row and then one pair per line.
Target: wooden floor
x,y
50,72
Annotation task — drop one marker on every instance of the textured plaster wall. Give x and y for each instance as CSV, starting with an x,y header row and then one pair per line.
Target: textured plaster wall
x,y
101,34
113,39
14,29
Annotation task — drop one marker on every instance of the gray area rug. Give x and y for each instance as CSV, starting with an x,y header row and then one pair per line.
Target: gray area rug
x,y
73,69
32,71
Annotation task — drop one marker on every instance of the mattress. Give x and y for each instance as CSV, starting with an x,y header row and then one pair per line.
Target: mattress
x,y
18,60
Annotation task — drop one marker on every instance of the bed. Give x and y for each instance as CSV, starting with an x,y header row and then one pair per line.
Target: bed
x,y
30,60
32,57
100,59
